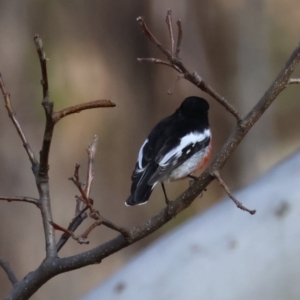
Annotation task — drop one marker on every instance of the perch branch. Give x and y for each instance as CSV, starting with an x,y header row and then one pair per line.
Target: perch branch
x,y
216,174
9,272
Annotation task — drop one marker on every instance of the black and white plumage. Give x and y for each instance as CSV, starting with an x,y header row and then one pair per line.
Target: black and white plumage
x,y
176,147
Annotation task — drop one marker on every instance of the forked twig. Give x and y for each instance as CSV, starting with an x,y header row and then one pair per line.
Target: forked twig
x,y
152,37
176,64
85,190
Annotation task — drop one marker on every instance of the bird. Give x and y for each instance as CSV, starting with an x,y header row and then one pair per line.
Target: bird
x,y
177,147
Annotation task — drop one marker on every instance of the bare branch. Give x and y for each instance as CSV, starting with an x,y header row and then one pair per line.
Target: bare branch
x,y
56,116
216,174
9,272
152,37
199,82
21,199
13,117
85,191
193,77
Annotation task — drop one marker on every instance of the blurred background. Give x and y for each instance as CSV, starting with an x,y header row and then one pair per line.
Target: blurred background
x,y
237,46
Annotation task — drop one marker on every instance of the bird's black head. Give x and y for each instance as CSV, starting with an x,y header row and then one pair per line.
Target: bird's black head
x,y
194,106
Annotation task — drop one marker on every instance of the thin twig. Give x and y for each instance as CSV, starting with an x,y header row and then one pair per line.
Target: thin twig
x,y
216,174
86,188
85,235
82,192
124,231
170,28
13,117
75,223
9,272
56,116
179,38
78,238
199,82
21,199
85,192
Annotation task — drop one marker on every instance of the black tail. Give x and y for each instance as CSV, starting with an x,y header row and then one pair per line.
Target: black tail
x,y
140,196
140,189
